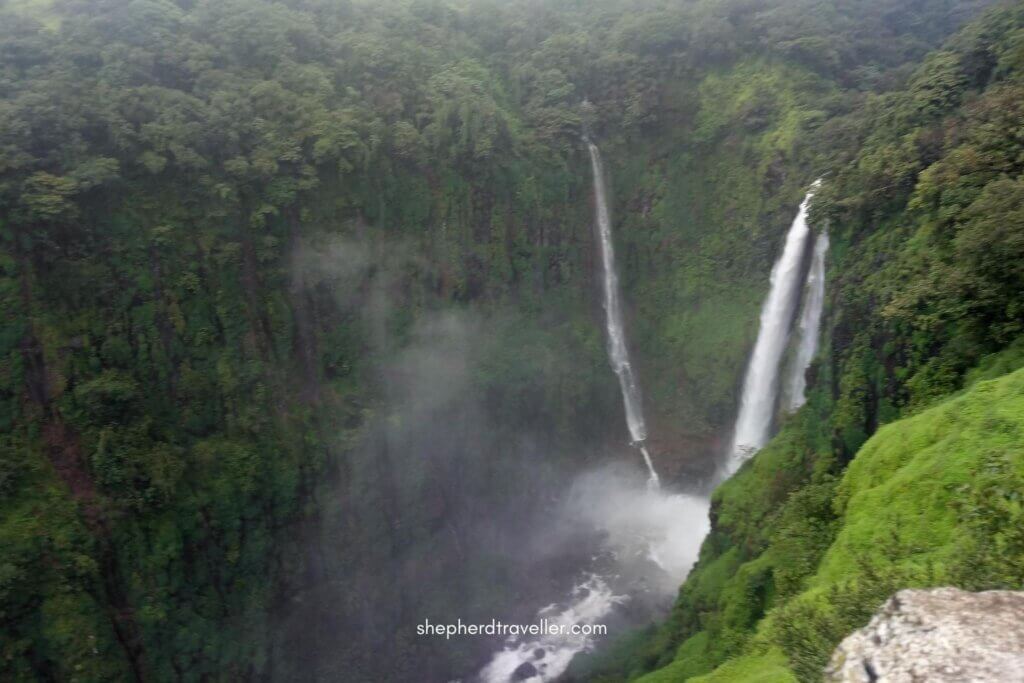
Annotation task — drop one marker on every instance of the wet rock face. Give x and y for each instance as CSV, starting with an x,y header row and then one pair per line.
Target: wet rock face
x,y
942,635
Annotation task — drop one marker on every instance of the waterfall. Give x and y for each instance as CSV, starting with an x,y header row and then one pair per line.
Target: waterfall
x,y
808,326
760,387
618,354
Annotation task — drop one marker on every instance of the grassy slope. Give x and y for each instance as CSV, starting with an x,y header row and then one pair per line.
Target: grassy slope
x,y
932,499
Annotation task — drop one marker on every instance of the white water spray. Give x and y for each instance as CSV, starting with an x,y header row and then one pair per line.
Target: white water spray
x,y
618,353
808,326
651,539
546,657
760,387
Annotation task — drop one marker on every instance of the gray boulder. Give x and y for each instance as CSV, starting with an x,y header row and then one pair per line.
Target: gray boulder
x,y
942,635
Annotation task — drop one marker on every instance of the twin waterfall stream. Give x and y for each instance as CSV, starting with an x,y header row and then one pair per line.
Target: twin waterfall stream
x,y
759,401
652,536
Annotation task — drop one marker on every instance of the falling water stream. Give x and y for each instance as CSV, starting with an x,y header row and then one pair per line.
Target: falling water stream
x,y
808,326
761,385
618,353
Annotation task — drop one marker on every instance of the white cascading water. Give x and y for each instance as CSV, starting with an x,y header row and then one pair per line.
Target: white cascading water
x,y
651,540
618,353
760,387
546,657
808,326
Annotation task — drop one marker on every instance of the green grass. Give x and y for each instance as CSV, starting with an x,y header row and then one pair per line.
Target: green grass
x,y
933,499
908,486
767,668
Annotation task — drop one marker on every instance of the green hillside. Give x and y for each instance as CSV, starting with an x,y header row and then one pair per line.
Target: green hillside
x,y
930,500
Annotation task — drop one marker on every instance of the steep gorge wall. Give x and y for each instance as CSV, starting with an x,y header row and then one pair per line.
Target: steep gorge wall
x,y
185,394
915,315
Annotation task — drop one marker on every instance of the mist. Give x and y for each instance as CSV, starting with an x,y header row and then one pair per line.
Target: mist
x,y
643,541
471,494
653,536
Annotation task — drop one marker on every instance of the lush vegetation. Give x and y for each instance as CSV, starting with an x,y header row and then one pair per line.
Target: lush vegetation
x,y
933,499
230,232
825,523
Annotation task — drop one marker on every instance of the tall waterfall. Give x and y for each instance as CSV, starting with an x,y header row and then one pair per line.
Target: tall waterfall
x,y
808,326
618,354
761,386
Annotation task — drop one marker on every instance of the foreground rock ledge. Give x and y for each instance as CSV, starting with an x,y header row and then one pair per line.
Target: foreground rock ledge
x,y
939,635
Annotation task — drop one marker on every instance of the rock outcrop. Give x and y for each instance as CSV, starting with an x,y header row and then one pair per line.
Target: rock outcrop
x,y
942,635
